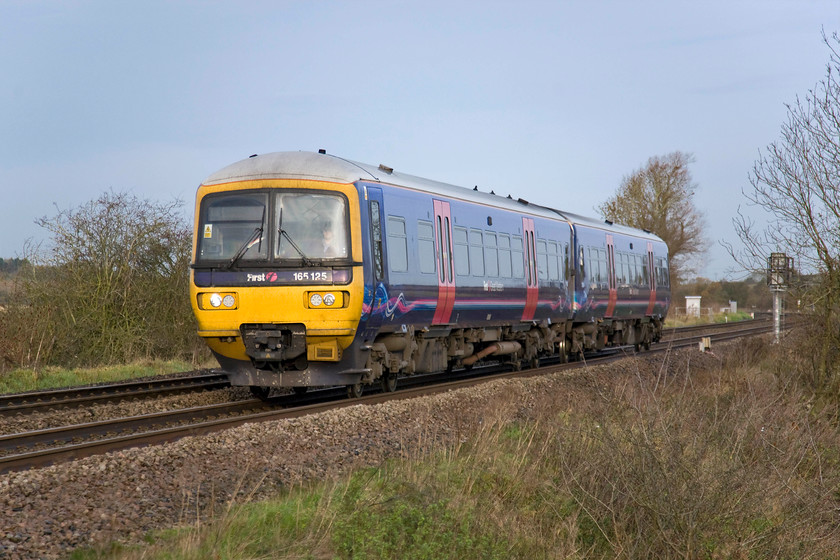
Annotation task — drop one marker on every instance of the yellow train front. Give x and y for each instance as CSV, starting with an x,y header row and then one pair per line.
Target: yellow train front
x,y
277,281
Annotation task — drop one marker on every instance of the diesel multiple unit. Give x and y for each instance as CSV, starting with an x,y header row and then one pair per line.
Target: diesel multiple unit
x,y
312,270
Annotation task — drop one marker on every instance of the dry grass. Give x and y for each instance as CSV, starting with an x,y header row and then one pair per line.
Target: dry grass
x,y
705,458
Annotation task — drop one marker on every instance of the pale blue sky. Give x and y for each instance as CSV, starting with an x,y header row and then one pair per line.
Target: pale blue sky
x,y
553,102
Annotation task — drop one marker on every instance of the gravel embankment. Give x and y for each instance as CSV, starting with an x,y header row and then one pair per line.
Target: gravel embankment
x,y
47,512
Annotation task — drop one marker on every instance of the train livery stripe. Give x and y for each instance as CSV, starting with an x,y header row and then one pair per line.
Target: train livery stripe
x,y
445,276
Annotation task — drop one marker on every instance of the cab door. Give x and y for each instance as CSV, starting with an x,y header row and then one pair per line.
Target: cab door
x,y
376,275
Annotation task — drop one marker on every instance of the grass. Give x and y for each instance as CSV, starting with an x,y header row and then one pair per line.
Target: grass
x,y
721,461
19,380
684,321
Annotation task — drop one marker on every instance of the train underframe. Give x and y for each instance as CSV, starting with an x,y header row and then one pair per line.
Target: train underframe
x,y
279,356
438,349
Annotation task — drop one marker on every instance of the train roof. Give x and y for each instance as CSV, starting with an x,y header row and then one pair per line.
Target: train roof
x,y
327,167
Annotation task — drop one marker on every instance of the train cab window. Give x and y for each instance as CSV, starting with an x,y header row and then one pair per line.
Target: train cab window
x,y
567,273
397,244
504,255
491,254
311,225
376,240
426,246
476,253
232,226
461,249
582,263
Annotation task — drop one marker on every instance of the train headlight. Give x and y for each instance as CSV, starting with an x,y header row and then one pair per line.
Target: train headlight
x,y
325,300
215,301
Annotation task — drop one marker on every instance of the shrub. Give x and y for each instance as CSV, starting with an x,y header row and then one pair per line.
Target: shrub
x,y
110,287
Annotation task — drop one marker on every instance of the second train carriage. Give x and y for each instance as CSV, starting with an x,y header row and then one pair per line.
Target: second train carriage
x,y
312,270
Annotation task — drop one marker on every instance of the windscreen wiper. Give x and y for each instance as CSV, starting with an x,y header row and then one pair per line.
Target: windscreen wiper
x,y
285,234
245,246
258,234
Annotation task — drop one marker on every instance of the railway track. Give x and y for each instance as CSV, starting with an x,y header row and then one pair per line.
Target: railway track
x,y
43,447
83,396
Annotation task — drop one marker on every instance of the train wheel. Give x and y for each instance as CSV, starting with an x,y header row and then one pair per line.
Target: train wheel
x,y
300,390
389,382
354,391
534,362
260,392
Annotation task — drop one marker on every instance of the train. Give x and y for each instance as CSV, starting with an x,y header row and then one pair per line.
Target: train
x,y
311,270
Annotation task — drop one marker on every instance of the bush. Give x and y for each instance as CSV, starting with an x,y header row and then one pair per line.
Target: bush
x,y
110,288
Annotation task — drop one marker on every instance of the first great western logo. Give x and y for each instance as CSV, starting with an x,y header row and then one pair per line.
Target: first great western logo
x,y
263,277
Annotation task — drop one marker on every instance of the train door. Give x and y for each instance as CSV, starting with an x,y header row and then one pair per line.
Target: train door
x,y
611,277
376,279
445,263
651,279
531,276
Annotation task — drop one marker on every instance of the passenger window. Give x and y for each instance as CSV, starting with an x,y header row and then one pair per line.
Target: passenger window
x,y
553,261
504,256
593,259
476,253
517,256
397,243
461,249
542,259
426,246
491,255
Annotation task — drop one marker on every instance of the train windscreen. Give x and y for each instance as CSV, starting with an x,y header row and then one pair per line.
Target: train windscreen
x,y
232,228
311,225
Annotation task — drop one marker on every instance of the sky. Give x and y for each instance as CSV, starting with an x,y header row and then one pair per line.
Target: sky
x,y
551,101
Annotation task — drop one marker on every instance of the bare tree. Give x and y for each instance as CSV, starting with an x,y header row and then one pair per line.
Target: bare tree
x,y
796,181
658,198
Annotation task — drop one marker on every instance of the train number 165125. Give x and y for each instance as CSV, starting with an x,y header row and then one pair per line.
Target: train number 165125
x,y
311,276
